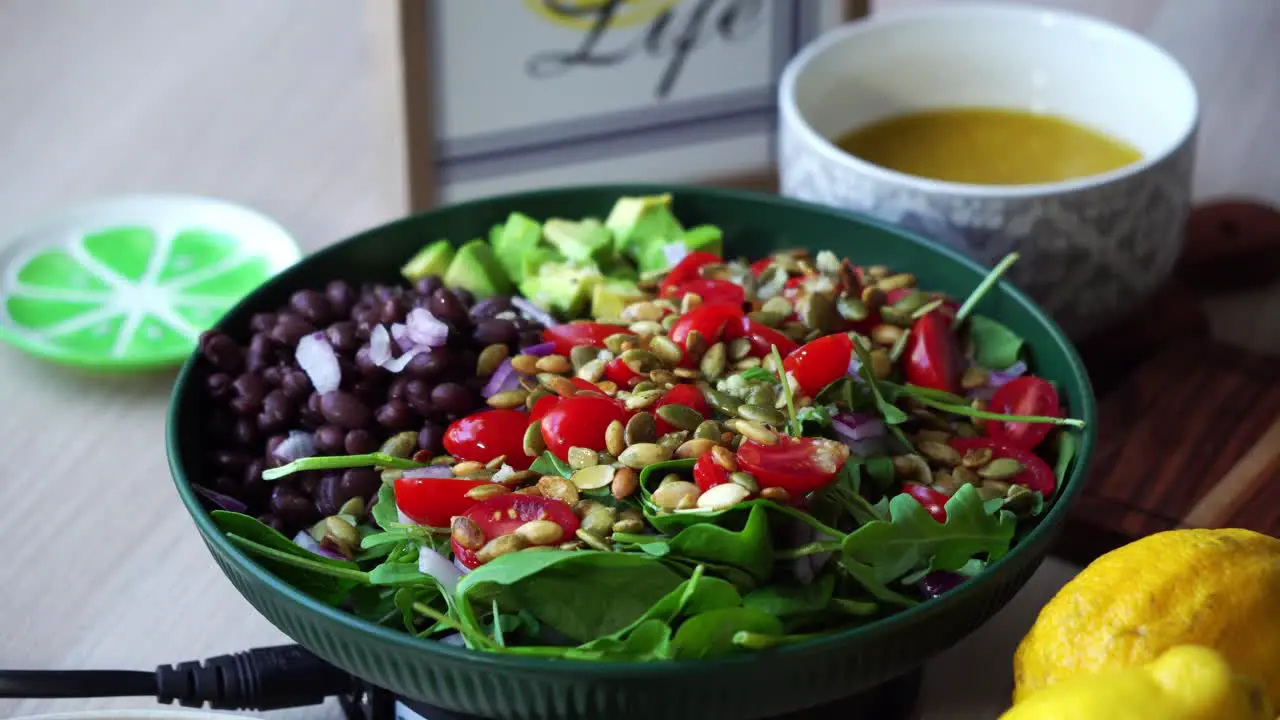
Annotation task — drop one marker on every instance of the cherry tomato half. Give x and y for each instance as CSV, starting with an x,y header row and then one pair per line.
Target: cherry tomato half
x,y
1036,474
1026,395
485,435
569,335
685,271
620,374
712,291
501,515
932,500
797,465
933,357
686,395
762,337
542,407
579,421
761,265
708,319
818,363
434,501
707,473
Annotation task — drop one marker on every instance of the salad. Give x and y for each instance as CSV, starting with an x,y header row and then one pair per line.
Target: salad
x,y
714,456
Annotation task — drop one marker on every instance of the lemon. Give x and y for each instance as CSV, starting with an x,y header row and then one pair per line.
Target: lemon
x,y
131,283
1187,682
1215,588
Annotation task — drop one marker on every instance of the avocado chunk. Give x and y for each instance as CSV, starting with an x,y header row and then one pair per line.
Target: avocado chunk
x,y
513,241
637,222
611,296
476,269
582,241
433,259
533,261
562,287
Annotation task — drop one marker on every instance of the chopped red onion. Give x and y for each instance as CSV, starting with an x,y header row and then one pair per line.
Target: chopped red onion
x,y
399,331
855,368
533,312
796,534
455,639
298,445
318,360
1000,377
422,328
226,502
402,518
674,253
380,350
304,540
503,379
438,566
430,471
457,563
939,582
865,435
540,350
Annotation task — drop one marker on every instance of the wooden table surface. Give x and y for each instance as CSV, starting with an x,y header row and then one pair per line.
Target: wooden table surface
x,y
267,103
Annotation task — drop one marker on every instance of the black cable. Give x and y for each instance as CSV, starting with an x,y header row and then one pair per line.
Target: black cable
x,y
260,679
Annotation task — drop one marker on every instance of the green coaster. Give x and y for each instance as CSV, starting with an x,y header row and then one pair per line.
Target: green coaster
x,y
129,283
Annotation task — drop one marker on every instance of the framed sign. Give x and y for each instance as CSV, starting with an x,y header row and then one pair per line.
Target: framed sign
x,y
488,96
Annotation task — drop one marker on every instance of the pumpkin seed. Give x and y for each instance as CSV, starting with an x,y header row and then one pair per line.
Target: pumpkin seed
x,y
508,399
909,303
534,445
625,483
939,452
778,306
885,334
642,455
912,468
669,478
646,328
641,311
467,533
580,457
593,477
642,400
553,486
755,431
467,467
607,459
641,362
977,457
527,364
713,362
941,436
722,401
979,404
389,475
974,378
540,532
557,384
761,414
708,430
694,345
401,444
529,384
852,309
881,364
964,476
872,297
666,350
776,494
747,364
762,395
818,312
694,448
896,282
615,342
676,495
629,525
342,532
535,395
608,387
1000,469
644,386
1020,499
795,330
614,438
558,364
724,458
532,490
875,272
570,546
746,480
680,416
641,428
582,354
673,440
930,419
689,301
943,483
993,490
596,542
599,520
353,507
490,358
722,496
738,348
592,371
500,546
489,490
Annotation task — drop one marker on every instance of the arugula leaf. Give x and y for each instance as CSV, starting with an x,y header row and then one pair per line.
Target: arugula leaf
x,y
865,576
384,508
1066,448
845,392
757,374
376,604
710,634
913,539
995,346
740,579
335,462
582,594
814,420
892,414
789,600
983,287
880,468
323,578
750,548
548,464
398,574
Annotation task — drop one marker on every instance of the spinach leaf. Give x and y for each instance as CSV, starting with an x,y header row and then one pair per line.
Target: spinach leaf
x,y
429,595
880,468
847,393
375,604
710,634
912,538
335,462
995,346
740,579
397,574
815,420
582,594
548,464
865,577
323,578
384,508
788,600
758,374
698,594
750,548
650,640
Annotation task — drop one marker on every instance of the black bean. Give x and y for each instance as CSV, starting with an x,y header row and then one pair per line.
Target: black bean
x,y
366,314
490,332
226,485
329,493
342,336
397,389
359,442
329,439
428,284
253,476
530,338
395,415
431,438
219,387
296,385
487,308
342,296
344,410
391,311
250,390
273,443
277,412
418,394
360,482
365,365
271,521
262,322
428,364
261,354
246,432
371,391
272,376
308,482
291,506
382,293
310,413
465,296
221,351
453,398
313,306
229,460
447,308
289,329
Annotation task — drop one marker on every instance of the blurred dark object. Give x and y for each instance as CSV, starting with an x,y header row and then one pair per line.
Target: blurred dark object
x,y
1231,245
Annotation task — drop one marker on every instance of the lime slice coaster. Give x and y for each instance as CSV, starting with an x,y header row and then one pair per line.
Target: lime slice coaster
x,y
130,283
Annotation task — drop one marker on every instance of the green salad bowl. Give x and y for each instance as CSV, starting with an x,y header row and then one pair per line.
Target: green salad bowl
x,y
752,685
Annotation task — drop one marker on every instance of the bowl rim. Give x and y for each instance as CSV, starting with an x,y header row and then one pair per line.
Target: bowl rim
x,y
632,670
791,115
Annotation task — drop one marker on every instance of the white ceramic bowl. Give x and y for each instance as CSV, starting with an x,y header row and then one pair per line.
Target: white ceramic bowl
x,y
1091,247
